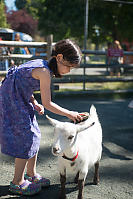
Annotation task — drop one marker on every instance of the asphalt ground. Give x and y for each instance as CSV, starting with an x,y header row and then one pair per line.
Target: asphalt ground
x,y
116,166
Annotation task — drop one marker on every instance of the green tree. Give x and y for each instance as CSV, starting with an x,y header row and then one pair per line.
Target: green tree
x,y
20,4
66,18
113,19
3,21
22,21
61,18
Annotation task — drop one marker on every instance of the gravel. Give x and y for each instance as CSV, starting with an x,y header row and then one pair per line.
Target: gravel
x,y
116,166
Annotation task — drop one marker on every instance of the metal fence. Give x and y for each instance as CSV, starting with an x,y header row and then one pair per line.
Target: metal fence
x,y
43,50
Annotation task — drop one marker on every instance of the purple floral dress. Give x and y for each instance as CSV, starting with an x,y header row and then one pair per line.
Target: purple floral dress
x,y
19,132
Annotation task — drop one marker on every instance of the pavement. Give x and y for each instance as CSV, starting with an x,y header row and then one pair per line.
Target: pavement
x,y
116,166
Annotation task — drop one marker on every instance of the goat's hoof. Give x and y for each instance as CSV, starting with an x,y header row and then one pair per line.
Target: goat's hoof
x,y
95,181
80,197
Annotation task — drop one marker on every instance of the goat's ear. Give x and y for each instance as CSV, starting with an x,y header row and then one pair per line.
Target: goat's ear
x,y
53,121
92,109
85,125
93,112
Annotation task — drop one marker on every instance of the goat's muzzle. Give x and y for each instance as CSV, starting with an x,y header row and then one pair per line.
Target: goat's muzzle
x,y
55,150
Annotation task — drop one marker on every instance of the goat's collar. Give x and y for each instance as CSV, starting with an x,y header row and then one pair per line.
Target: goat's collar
x,y
71,159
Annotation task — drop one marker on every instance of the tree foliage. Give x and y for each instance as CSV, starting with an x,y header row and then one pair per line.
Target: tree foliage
x,y
66,18
58,17
113,19
21,21
3,20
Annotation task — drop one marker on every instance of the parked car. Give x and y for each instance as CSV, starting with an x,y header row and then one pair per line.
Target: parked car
x,y
9,35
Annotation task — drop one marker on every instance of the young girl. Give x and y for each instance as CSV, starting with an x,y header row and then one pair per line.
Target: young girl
x,y
115,58
19,131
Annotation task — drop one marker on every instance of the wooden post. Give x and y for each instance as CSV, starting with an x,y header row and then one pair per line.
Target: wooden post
x,y
85,37
49,51
49,45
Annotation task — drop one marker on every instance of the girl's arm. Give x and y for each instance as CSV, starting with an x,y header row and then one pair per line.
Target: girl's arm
x,y
27,51
38,107
45,82
121,60
122,57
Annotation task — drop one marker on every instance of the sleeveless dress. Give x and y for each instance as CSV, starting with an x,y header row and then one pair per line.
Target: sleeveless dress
x,y
19,132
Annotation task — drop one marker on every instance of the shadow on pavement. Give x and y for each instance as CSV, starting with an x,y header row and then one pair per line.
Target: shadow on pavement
x,y
48,193
113,155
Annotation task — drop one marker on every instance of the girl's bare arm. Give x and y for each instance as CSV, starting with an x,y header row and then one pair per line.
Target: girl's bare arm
x,y
45,82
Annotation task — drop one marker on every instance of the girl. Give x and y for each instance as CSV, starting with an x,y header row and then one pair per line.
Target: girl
x,y
19,131
115,58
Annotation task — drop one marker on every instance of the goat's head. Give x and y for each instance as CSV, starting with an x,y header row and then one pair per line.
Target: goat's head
x,y
66,132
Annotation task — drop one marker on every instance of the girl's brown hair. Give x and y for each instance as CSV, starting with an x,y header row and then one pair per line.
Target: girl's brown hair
x,y
70,51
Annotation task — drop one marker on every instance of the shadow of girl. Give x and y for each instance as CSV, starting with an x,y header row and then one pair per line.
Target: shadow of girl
x,y
4,190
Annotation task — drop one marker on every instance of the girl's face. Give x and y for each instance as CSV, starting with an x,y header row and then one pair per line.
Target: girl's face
x,y
64,66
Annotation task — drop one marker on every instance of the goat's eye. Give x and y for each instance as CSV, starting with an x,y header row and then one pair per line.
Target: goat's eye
x,y
70,137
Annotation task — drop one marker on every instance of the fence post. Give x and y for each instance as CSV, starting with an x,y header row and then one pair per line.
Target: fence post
x,y
49,51
84,73
49,45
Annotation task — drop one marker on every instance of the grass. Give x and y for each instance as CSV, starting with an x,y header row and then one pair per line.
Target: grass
x,y
96,86
107,86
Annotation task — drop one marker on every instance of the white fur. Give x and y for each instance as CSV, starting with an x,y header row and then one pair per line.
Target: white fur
x,y
87,140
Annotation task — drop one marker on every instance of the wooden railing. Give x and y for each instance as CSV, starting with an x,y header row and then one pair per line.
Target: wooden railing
x,y
46,48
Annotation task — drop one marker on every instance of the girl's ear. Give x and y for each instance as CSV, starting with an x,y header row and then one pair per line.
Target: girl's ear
x,y
59,57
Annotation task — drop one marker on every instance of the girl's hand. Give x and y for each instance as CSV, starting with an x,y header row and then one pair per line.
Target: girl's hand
x,y
75,116
39,108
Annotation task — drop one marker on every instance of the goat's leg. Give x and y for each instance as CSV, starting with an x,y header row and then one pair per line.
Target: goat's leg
x,y
76,177
81,187
63,182
96,174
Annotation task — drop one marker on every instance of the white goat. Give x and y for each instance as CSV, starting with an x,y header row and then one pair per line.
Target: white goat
x,y
79,147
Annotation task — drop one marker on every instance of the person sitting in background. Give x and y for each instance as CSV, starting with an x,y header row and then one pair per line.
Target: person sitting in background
x,y
115,58
3,62
18,50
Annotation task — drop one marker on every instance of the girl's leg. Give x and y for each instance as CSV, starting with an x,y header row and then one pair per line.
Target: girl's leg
x,y
31,166
32,176
19,185
20,165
